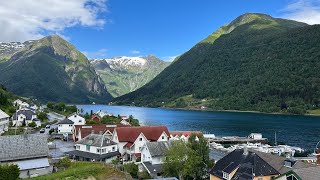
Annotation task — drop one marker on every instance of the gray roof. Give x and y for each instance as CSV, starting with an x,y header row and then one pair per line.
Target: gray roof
x,y
26,112
97,157
157,149
277,162
97,140
3,114
21,147
33,163
66,121
310,173
153,168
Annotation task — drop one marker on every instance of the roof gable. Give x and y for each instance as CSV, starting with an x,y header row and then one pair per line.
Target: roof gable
x,y
130,134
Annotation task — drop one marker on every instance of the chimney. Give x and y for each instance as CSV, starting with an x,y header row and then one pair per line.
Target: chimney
x,y
245,150
92,131
318,156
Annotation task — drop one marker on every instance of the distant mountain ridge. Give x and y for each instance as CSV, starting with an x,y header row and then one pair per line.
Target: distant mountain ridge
x,y
52,69
124,74
256,63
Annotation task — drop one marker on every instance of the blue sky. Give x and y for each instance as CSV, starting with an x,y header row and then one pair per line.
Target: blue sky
x,y
165,28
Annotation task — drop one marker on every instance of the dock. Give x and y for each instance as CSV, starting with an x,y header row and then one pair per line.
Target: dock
x,y
252,138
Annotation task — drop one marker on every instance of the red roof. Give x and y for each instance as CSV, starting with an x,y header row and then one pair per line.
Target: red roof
x,y
129,144
137,155
95,128
95,118
185,133
130,134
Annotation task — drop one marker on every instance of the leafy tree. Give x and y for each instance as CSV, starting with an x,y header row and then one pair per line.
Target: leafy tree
x,y
132,169
9,172
87,116
64,162
42,116
32,124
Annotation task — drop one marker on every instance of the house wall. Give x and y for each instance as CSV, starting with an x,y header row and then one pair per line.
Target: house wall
x,y
163,137
139,142
4,124
145,155
35,172
65,128
93,149
212,177
78,120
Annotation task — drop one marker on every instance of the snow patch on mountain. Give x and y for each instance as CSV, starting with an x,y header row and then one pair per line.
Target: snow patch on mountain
x,y
123,62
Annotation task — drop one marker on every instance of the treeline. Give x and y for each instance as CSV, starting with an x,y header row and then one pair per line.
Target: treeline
x,y
62,108
6,99
259,66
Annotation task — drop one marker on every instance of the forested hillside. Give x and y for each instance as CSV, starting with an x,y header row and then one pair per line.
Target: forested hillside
x,y
256,63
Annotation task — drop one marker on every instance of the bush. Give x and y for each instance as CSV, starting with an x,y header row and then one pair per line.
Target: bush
x,y
32,124
143,175
51,131
42,116
65,163
9,172
132,169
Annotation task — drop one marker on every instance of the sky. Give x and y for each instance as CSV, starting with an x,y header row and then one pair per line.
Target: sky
x,y
164,28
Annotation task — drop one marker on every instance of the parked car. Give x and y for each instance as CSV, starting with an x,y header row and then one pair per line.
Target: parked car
x,y
42,130
48,126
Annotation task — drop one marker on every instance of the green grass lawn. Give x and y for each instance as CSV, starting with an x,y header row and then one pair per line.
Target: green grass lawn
x,y
315,111
14,132
86,170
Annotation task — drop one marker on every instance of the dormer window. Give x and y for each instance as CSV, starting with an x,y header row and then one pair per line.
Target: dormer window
x,y
162,137
225,175
140,139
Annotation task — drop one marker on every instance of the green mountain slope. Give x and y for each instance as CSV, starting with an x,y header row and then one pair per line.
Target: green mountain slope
x,y
51,69
122,75
263,64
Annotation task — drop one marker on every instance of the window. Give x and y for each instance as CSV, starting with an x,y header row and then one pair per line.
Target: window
x,y
98,150
162,137
78,147
70,125
103,150
113,148
80,121
140,139
225,175
88,147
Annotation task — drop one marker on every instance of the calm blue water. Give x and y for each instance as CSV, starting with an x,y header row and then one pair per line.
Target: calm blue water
x,y
302,131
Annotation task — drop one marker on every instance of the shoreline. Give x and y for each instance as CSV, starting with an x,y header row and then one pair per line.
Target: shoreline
x,y
212,110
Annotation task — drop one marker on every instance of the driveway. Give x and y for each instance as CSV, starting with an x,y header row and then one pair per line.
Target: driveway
x,y
59,147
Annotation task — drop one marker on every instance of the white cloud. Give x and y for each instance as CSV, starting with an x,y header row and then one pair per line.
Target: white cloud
x,y
169,58
101,53
135,52
307,11
32,19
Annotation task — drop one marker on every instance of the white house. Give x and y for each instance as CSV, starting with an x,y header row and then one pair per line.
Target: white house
x,y
131,139
125,122
184,135
65,126
152,156
4,122
29,152
77,119
95,147
20,104
24,116
101,113
255,136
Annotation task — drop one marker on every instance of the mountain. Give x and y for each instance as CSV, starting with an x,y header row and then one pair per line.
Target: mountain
x,y
52,69
256,63
8,49
124,74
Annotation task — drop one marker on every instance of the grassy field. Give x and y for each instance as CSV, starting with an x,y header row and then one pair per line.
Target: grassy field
x,y
86,170
315,111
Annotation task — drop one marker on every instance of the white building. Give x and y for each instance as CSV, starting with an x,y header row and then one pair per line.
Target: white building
x,y
4,122
95,147
101,113
20,104
77,119
152,156
255,136
184,135
25,116
131,139
65,126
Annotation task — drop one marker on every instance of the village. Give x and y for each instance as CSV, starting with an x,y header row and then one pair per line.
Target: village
x,y
37,146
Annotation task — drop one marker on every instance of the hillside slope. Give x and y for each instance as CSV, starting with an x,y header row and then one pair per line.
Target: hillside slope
x,y
123,74
51,69
255,63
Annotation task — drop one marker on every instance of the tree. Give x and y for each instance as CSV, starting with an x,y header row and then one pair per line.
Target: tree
x,y
32,124
64,162
9,172
176,158
132,169
50,105
42,116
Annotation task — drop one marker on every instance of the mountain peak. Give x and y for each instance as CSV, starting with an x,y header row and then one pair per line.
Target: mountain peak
x,y
261,21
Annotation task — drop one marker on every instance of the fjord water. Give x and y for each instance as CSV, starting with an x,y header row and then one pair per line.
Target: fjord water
x,y
302,131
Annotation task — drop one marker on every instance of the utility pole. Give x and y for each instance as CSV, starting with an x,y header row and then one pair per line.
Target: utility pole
x,y
275,138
